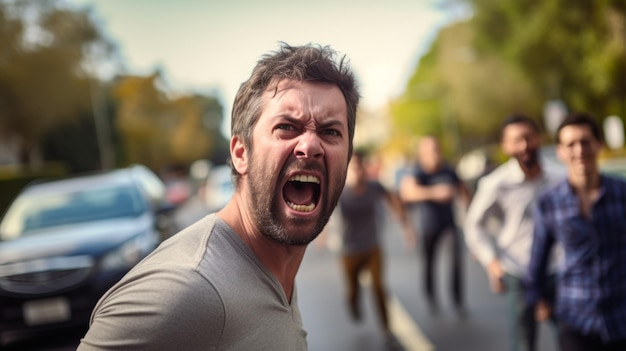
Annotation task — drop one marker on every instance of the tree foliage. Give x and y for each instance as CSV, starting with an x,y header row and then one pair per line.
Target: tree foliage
x,y
157,130
459,94
52,101
514,56
42,78
573,51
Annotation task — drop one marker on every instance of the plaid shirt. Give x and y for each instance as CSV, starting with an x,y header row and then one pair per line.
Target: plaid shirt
x,y
591,285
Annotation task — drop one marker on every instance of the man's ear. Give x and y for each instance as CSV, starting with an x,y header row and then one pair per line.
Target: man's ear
x,y
239,154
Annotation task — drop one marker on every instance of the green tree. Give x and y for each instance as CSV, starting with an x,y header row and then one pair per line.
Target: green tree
x,y
197,134
160,131
460,94
143,119
43,82
570,50
514,56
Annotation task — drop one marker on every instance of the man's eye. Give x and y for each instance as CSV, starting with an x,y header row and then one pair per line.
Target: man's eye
x,y
334,132
285,127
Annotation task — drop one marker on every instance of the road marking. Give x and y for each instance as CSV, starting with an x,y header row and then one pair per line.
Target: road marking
x,y
402,325
405,329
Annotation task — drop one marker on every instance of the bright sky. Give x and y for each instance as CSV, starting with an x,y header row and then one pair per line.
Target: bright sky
x,y
209,46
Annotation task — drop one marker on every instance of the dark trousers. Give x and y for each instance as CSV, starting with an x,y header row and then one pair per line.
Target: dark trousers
x,y
430,243
353,265
572,340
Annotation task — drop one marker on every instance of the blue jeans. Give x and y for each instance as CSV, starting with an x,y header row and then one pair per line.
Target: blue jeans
x,y
523,326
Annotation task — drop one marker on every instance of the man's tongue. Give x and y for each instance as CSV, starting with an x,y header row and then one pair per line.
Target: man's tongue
x,y
298,193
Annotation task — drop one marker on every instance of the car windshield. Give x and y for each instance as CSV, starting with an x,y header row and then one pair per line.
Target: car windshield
x,y
31,212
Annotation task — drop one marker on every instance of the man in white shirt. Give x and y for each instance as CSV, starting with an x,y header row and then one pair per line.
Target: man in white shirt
x,y
499,224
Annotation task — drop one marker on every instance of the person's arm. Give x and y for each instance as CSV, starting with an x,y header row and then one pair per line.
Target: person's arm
x,y
477,237
543,240
412,191
397,206
464,192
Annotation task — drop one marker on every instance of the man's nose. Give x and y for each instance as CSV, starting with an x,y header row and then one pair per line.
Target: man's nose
x,y
524,144
579,149
309,146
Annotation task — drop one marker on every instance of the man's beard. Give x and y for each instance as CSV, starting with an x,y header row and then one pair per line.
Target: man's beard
x,y
266,206
531,161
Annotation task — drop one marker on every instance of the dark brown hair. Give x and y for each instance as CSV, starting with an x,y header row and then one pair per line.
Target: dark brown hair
x,y
518,119
580,119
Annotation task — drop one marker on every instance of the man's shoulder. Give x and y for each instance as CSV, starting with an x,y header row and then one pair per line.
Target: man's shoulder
x,y
198,231
614,180
375,189
552,170
497,177
555,192
449,169
614,185
183,249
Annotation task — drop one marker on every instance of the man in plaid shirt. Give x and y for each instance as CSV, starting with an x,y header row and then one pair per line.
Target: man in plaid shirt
x,y
586,215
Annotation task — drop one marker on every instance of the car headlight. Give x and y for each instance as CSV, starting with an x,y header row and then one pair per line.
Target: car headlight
x,y
130,253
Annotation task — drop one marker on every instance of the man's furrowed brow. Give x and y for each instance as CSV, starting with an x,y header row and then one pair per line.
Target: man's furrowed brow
x,y
288,118
332,122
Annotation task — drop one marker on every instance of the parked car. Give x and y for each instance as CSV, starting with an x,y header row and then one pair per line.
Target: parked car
x,y
219,188
63,243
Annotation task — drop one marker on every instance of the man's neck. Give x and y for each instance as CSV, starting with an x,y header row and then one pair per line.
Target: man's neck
x,y
587,189
532,171
431,168
584,182
280,259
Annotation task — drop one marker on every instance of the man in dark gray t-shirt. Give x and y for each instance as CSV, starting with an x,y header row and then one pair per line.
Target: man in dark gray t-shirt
x,y
359,206
228,281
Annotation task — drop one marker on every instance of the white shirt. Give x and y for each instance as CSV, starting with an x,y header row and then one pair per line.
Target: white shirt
x,y
499,222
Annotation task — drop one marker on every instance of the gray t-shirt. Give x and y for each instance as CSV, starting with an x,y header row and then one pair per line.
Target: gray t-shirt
x,y
202,289
360,212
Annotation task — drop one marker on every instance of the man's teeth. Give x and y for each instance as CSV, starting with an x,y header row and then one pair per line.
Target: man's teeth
x,y
301,208
304,179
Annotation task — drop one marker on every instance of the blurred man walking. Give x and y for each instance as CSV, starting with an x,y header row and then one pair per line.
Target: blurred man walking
x,y
586,215
507,195
430,191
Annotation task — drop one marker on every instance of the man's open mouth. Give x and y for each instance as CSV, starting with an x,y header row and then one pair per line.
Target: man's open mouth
x,y
302,192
